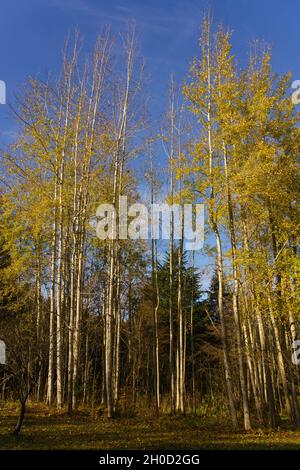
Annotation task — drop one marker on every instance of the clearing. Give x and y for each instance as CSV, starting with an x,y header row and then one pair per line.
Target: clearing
x,y
45,428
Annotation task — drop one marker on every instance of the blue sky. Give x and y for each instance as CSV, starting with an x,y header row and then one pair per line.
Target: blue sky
x,y
33,32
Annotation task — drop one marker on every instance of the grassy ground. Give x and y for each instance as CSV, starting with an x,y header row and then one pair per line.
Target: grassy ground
x,y
47,429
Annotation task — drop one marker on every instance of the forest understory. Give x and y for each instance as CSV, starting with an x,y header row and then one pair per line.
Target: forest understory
x,y
47,429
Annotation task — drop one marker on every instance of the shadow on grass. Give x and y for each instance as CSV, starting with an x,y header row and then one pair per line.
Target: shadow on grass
x,y
59,431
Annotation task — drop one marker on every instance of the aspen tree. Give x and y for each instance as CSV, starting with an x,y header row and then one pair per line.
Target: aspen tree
x,y
200,95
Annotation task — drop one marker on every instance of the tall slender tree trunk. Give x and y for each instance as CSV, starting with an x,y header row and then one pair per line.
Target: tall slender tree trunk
x,y
59,295
192,337
180,342
117,336
215,228
235,298
171,263
155,308
52,305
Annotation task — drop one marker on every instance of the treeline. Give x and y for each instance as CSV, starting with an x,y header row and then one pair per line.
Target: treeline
x,y
115,321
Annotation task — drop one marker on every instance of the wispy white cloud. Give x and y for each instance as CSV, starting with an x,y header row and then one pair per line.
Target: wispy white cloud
x,y
151,17
8,134
172,23
86,8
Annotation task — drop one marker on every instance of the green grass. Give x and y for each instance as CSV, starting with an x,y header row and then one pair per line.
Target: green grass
x,y
46,429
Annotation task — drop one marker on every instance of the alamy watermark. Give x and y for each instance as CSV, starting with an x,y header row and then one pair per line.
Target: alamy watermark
x,y
296,352
296,93
2,92
139,222
2,352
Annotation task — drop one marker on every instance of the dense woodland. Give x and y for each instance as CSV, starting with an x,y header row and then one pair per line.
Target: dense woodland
x,y
128,326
